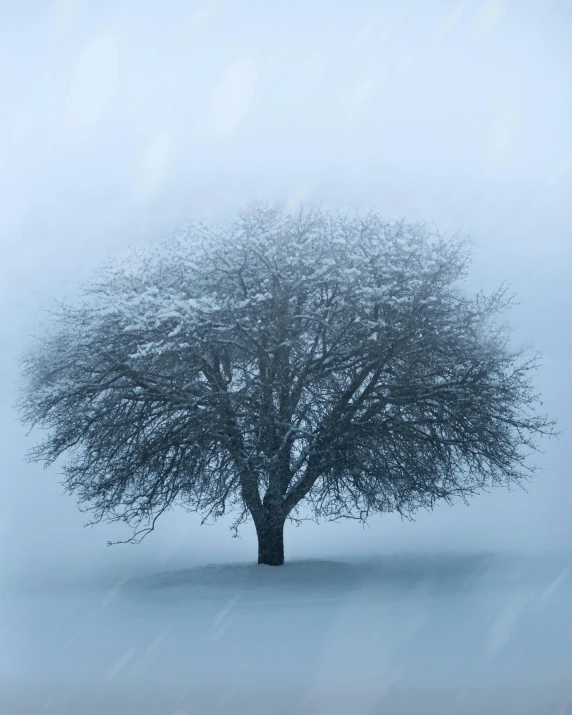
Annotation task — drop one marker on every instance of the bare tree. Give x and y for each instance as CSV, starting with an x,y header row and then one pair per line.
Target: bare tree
x,y
283,365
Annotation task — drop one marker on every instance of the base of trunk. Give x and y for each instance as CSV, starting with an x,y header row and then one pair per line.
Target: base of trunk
x,y
271,544
270,559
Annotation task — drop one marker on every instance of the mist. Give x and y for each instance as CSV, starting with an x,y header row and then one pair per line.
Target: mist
x,y
120,121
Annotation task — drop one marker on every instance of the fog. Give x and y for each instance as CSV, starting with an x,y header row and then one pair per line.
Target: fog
x,y
119,121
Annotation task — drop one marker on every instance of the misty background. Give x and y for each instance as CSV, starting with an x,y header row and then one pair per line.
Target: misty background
x,y
120,120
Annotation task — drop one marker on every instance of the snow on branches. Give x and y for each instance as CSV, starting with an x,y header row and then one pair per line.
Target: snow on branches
x,y
283,359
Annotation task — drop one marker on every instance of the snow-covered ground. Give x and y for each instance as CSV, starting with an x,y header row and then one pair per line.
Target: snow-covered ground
x,y
438,633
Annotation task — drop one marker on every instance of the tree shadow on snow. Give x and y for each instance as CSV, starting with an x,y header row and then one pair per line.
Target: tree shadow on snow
x,y
392,574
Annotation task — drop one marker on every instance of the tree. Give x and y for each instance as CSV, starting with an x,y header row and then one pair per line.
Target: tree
x,y
283,365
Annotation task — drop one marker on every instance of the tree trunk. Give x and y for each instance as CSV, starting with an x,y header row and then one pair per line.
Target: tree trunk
x,y
270,534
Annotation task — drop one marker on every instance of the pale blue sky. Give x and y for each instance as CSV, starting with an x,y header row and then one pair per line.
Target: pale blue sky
x,y
120,119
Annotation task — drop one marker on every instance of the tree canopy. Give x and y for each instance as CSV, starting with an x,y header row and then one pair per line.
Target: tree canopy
x,y
280,365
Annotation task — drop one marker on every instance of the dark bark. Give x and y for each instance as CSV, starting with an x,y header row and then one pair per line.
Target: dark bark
x,y
270,534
